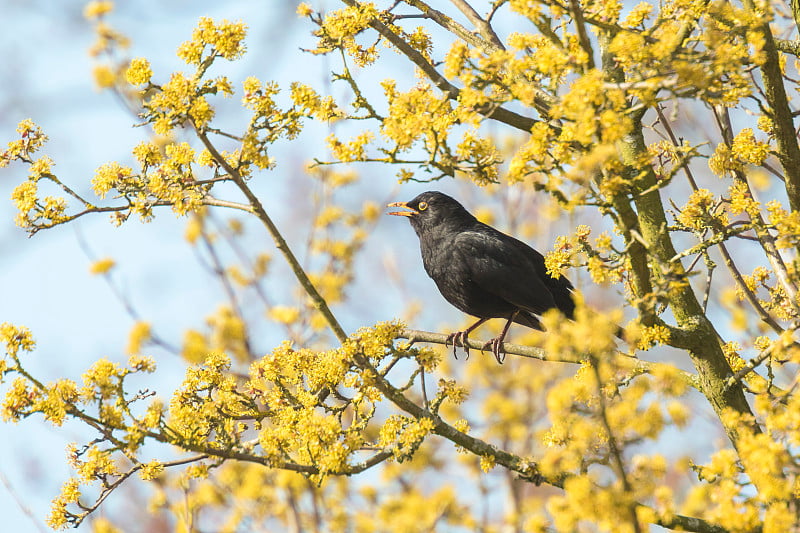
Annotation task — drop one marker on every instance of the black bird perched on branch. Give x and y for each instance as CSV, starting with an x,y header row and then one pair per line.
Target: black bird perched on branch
x,y
482,271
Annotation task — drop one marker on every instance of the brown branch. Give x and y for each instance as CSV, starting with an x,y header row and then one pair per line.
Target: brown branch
x,y
258,209
734,270
482,25
580,27
526,469
494,112
788,150
616,452
788,47
765,238
350,470
457,29
415,335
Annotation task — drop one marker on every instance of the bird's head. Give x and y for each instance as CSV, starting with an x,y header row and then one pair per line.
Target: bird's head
x,y
433,209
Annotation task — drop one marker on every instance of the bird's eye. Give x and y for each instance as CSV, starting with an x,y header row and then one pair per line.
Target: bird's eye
x,y
422,206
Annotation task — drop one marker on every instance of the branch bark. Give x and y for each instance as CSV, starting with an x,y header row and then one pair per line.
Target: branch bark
x,y
494,112
525,468
788,151
258,209
532,352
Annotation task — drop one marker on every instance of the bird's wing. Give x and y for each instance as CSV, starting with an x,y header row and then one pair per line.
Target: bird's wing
x,y
498,265
561,288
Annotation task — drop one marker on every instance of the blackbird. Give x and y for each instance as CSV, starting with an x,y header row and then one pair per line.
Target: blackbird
x,y
482,271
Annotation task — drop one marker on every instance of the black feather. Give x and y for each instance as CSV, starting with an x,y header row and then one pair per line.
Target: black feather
x,y
482,271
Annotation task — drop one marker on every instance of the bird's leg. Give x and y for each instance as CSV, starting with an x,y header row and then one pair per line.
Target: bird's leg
x,y
497,343
460,337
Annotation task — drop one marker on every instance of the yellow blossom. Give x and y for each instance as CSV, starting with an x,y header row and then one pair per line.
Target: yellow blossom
x,y
226,38
108,176
194,229
102,266
140,333
638,14
487,463
151,470
139,71
284,314
40,167
104,77
304,10
97,9
748,149
104,525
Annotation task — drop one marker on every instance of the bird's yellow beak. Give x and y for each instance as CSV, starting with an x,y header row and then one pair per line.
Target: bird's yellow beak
x,y
402,213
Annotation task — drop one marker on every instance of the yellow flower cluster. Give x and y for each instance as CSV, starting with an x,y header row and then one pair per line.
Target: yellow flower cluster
x,y
151,470
70,493
102,266
403,435
103,388
139,71
650,336
703,210
777,301
304,10
32,138
140,334
354,150
33,211
311,104
16,338
483,156
225,39
589,410
593,110
418,113
166,177
748,149
638,15
534,156
741,201
97,8
603,263
340,27
786,223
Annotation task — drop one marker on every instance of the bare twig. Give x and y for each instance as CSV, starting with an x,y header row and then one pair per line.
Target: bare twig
x,y
482,25
414,335
24,508
258,209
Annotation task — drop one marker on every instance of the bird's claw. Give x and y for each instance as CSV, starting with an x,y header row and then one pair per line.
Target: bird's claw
x,y
496,346
458,338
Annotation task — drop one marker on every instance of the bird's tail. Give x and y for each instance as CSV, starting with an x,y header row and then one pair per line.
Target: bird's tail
x,y
527,319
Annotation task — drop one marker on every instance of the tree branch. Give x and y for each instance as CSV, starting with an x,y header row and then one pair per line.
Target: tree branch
x,y
788,47
482,25
415,335
494,112
788,151
455,28
258,209
526,469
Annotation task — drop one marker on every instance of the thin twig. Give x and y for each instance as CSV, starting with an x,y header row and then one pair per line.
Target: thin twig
x,y
414,335
258,209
